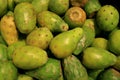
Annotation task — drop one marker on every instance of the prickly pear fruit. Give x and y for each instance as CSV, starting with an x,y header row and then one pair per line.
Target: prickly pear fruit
x,y
80,3
73,69
29,57
8,71
8,28
52,21
91,7
11,5
107,17
49,71
12,47
40,37
117,64
25,17
3,52
95,58
24,77
58,6
40,5
113,42
109,74
3,7
20,1
63,44
75,17
88,36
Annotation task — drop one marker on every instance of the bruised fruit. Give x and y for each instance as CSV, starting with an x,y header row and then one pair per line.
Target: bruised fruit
x,y
29,57
63,44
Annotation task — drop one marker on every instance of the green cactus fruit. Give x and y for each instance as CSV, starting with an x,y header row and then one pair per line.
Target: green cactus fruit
x,y
8,71
12,47
109,74
91,7
39,37
29,57
25,17
80,3
75,17
49,71
94,73
63,44
95,58
24,77
59,6
73,69
11,5
8,28
3,7
3,53
20,1
40,5
88,36
52,21
2,41
113,42
117,64
107,17
100,42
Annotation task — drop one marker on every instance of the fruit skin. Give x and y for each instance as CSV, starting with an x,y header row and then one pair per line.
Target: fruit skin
x,y
63,44
59,6
49,71
80,3
91,7
88,36
20,1
3,7
117,64
39,37
8,28
8,71
24,77
12,47
3,52
29,57
25,17
2,41
11,5
75,17
113,42
109,74
107,17
52,21
73,69
95,58
40,5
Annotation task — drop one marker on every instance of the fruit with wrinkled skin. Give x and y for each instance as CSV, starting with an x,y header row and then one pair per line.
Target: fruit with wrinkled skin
x,y
91,7
39,37
58,6
8,71
8,28
49,71
52,21
88,36
95,58
109,74
107,18
29,57
113,42
3,7
63,44
24,77
75,17
25,17
73,69
40,5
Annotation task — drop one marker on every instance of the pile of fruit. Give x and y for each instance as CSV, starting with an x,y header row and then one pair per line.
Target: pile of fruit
x,y
59,40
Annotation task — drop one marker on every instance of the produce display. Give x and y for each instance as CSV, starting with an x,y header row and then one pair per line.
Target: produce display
x,y
59,40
